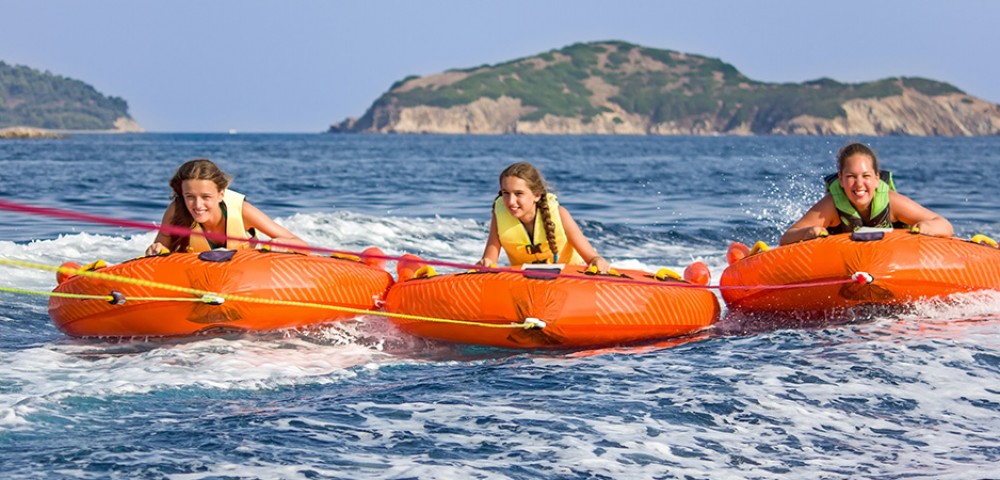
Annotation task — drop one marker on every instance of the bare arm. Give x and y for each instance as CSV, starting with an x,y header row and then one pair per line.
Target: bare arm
x,y
814,223
918,217
492,251
254,218
580,242
162,242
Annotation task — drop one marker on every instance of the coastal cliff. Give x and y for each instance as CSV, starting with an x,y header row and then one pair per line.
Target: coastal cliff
x,y
621,88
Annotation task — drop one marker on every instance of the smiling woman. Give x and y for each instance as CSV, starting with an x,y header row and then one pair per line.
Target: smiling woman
x,y
218,217
860,198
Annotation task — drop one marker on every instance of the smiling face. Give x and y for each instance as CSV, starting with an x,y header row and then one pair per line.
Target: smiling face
x,y
859,179
202,199
518,198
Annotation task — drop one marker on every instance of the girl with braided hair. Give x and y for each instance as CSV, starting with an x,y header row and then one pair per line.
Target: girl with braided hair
x,y
531,226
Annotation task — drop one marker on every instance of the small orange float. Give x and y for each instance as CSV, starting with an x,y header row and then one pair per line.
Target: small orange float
x,y
137,308
903,268
697,273
577,310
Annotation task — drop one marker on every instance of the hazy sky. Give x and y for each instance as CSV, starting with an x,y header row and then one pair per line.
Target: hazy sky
x,y
298,66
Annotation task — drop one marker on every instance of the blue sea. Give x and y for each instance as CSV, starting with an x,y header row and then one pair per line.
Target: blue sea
x,y
907,394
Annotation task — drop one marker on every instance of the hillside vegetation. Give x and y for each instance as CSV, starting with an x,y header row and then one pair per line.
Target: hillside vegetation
x,y
643,90
32,98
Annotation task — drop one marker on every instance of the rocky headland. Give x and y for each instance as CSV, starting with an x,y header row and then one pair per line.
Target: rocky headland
x,y
621,88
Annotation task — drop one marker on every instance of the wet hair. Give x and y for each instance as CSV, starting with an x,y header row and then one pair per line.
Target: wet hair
x,y
536,183
197,169
856,148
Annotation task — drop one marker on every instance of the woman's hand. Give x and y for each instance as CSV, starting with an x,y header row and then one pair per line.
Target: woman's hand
x,y
816,232
156,249
937,227
802,234
600,263
485,262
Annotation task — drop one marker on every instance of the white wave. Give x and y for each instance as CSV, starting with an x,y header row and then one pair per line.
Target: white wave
x,y
81,248
434,238
835,405
46,374
672,256
972,305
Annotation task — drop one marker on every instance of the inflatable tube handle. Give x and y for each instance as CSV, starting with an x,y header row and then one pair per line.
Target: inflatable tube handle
x,y
984,240
758,247
664,273
425,271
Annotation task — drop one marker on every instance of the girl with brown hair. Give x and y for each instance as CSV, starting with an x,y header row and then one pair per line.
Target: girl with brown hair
x,y
204,202
531,227
858,197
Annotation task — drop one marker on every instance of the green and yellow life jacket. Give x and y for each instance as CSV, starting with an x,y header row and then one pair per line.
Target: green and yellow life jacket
x,y
850,218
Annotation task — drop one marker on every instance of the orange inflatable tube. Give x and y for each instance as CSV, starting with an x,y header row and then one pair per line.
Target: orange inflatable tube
x,y
903,268
137,309
578,310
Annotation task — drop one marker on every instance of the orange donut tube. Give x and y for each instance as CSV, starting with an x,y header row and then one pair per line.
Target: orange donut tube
x,y
904,268
248,273
578,310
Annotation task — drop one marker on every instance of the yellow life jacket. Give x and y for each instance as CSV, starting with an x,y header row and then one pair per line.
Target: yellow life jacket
x,y
520,249
232,208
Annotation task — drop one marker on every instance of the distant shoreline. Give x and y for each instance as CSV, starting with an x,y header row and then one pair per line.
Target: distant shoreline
x,y
35,132
30,132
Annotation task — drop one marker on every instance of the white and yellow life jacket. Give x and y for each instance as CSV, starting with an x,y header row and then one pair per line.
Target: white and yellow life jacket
x,y
232,210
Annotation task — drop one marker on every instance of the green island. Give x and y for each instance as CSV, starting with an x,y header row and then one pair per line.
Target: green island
x,y
655,90
31,98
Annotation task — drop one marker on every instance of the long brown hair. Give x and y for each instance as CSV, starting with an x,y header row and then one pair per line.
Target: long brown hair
x,y
197,169
536,183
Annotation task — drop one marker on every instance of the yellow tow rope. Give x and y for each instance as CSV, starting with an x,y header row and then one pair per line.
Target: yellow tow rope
x,y
217,298
107,298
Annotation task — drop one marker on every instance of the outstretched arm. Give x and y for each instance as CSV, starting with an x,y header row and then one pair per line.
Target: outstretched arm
x,y
492,251
162,241
918,217
580,242
814,223
253,217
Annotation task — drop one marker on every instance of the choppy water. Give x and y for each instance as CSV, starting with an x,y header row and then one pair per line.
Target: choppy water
x,y
907,395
